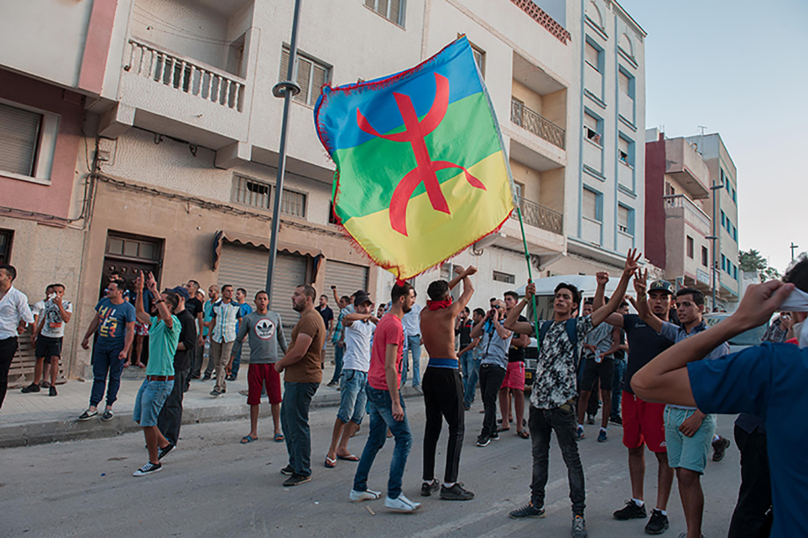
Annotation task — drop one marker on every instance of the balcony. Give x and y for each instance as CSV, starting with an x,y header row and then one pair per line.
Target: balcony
x,y
185,76
539,216
680,206
686,165
536,124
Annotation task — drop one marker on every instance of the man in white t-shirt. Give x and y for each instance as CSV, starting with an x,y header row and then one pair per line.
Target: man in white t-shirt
x,y
359,329
49,330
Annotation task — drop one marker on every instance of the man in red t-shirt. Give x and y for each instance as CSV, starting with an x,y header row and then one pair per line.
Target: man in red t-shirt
x,y
386,406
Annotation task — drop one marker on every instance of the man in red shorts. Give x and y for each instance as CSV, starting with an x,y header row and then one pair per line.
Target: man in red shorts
x,y
266,335
643,422
514,382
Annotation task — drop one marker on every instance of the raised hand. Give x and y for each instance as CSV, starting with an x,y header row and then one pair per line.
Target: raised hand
x,y
761,301
632,259
151,283
530,291
602,277
470,270
641,282
138,282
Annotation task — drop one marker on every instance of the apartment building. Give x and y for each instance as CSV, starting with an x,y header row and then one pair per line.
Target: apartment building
x,y
678,226
167,139
723,208
51,68
604,211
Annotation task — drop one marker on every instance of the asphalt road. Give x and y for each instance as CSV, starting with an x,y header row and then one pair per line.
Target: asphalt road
x,y
213,486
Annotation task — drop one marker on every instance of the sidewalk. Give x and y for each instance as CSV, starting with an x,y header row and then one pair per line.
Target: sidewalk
x,y
30,419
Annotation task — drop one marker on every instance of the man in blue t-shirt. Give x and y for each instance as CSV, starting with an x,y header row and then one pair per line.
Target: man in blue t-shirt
x,y
115,324
767,380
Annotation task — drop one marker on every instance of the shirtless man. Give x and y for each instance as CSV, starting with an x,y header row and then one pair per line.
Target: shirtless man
x,y
442,384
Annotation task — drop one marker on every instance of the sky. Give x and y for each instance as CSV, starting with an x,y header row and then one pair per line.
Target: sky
x,y
738,68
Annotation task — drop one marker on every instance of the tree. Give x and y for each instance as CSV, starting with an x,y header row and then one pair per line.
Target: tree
x,y
770,273
752,262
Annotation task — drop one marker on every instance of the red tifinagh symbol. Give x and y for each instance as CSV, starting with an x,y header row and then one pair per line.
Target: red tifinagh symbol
x,y
415,133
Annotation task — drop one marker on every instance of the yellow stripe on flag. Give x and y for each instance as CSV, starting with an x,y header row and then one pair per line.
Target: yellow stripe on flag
x,y
474,213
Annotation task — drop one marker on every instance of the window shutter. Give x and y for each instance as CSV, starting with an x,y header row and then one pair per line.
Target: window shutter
x,y
590,205
284,65
624,82
19,134
622,218
591,122
319,80
592,56
395,11
371,4
382,8
303,79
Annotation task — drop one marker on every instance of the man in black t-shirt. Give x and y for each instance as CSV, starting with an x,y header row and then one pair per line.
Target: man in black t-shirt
x,y
643,422
328,318
463,326
514,382
170,418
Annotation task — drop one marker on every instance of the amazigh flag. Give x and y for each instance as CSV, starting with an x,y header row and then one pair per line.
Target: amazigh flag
x,y
421,169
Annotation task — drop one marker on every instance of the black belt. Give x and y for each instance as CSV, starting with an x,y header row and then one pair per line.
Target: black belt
x,y
159,378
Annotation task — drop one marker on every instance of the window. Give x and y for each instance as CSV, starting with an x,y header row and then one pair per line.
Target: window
x,y
624,151
735,272
723,219
624,82
690,247
135,249
392,10
519,188
6,237
260,194
723,263
669,190
625,219
311,76
479,59
332,218
591,205
592,128
19,137
592,55
704,256
504,277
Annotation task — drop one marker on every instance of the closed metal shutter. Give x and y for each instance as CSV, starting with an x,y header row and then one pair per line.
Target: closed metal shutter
x,y
348,278
244,267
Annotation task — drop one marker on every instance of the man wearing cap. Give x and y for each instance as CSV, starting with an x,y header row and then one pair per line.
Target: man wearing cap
x,y
170,417
643,422
359,329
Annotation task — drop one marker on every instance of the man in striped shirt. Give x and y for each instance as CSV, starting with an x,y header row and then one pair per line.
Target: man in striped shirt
x,y
226,314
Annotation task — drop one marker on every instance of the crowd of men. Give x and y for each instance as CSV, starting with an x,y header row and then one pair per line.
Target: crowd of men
x,y
659,373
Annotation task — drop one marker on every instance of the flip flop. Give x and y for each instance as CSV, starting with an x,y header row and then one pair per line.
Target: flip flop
x,y
347,458
523,434
500,430
279,438
329,463
247,439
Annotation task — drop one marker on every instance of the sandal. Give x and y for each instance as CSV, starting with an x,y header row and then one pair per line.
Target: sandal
x,y
279,438
523,434
247,439
350,457
500,430
329,463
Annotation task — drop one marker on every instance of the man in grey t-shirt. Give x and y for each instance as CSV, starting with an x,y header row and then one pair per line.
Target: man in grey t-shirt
x,y
266,336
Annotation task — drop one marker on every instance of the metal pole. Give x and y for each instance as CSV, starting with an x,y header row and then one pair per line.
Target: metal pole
x,y
715,239
286,89
529,276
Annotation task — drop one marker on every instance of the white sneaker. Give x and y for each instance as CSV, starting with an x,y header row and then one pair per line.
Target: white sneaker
x,y
367,495
401,504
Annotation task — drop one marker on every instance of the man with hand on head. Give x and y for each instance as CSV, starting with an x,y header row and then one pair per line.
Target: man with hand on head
x,y
164,336
767,380
552,401
442,385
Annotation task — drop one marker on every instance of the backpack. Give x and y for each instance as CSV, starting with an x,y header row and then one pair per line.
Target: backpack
x,y
572,334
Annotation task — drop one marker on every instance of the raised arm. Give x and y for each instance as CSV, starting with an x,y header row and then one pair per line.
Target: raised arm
x,y
641,304
600,315
501,331
477,330
665,378
512,321
140,312
468,288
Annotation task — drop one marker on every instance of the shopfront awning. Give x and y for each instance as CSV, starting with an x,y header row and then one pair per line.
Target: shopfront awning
x,y
259,242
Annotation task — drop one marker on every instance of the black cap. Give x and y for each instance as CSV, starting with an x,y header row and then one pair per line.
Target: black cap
x,y
661,285
361,298
182,291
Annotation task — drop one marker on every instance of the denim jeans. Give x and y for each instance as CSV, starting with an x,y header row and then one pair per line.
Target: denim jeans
x,y
150,400
339,352
414,346
236,363
465,368
543,422
8,347
295,422
471,386
352,396
106,361
381,418
617,385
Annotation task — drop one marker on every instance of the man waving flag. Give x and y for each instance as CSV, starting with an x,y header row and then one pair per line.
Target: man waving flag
x,y
421,169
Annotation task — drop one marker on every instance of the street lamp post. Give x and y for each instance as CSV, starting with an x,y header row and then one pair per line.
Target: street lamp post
x,y
286,89
715,238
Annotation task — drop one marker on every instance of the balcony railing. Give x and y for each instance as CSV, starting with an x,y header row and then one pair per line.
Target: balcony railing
x,y
536,123
680,200
186,75
539,216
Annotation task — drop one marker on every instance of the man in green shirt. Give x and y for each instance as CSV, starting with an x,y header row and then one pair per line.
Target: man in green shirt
x,y
164,335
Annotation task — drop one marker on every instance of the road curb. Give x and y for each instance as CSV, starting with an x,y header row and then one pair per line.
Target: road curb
x,y
67,428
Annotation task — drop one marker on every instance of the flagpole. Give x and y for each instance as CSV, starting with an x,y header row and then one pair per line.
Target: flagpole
x,y
286,89
529,275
